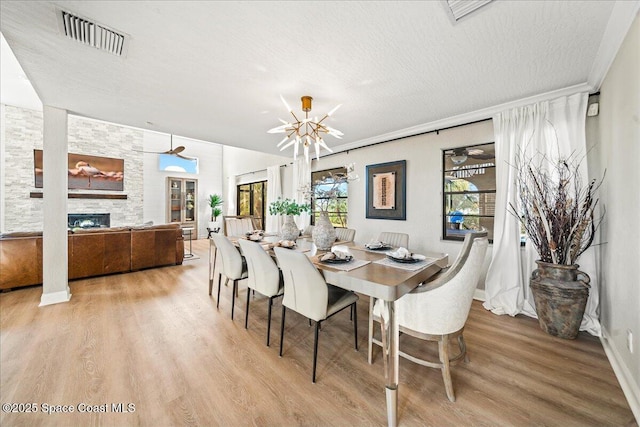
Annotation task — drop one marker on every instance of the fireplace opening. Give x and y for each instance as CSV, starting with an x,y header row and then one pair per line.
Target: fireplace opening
x,y
91,220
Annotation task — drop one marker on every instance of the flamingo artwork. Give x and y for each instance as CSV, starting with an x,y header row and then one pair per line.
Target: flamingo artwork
x,y
87,170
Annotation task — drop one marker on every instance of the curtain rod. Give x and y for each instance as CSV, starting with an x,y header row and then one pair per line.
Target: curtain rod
x,y
437,131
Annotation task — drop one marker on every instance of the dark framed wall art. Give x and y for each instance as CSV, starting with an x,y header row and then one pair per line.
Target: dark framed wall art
x,y
387,190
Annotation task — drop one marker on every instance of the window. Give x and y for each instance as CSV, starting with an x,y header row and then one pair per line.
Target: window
x,y
252,199
330,193
469,190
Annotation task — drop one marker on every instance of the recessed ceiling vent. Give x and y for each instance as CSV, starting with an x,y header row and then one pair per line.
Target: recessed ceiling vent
x,y
90,33
461,8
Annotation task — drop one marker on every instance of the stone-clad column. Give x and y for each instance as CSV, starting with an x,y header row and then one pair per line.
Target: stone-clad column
x,y
55,286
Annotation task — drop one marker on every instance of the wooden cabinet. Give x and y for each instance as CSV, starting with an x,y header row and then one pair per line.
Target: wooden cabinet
x,y
182,201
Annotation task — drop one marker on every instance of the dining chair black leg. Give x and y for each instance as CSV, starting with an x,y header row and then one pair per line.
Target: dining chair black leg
x,y
354,310
219,283
210,286
269,320
351,314
233,297
315,351
246,314
284,310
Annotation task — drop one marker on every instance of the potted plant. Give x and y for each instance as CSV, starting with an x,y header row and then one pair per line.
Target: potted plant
x,y
557,211
289,230
215,202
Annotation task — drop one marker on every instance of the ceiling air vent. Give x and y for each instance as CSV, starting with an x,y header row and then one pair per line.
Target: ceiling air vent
x,y
461,8
90,33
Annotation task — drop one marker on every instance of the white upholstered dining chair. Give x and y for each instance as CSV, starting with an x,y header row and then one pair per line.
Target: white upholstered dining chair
x,y
438,309
238,225
394,239
307,293
345,234
264,277
233,266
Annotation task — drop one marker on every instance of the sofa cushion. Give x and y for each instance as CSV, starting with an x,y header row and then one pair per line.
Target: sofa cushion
x,y
20,262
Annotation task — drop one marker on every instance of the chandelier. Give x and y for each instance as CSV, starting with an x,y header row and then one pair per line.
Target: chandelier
x,y
306,132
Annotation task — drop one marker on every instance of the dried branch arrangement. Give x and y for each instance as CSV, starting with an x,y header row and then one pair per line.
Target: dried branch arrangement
x,y
554,206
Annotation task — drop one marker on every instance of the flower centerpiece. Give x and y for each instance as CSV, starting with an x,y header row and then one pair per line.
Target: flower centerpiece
x,y
289,208
326,192
557,210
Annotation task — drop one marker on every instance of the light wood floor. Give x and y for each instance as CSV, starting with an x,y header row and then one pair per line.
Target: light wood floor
x,y
155,339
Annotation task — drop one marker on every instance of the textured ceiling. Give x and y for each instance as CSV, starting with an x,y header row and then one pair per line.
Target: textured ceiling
x,y
214,70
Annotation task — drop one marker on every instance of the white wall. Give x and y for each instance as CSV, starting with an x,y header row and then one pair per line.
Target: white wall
x,y
619,138
155,181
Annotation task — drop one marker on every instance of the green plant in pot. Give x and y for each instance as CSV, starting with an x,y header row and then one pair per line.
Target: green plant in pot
x,y
215,202
289,230
557,211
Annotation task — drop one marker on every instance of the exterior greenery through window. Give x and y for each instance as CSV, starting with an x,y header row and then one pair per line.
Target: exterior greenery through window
x,y
252,200
330,196
469,190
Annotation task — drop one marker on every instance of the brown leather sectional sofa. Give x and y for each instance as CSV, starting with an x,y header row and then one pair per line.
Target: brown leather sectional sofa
x,y
91,252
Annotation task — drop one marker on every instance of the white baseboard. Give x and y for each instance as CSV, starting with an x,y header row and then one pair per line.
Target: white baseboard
x,y
55,297
630,389
479,295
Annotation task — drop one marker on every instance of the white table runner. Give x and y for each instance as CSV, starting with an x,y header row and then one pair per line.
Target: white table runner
x,y
348,266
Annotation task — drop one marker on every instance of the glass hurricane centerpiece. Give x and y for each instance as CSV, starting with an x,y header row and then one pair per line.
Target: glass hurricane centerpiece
x,y
289,208
556,208
326,195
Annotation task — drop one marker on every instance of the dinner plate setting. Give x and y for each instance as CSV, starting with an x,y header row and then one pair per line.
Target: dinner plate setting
x,y
404,256
336,256
378,246
287,244
254,235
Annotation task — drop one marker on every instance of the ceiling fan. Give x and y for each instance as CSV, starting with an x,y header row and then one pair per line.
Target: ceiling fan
x,y
172,151
460,155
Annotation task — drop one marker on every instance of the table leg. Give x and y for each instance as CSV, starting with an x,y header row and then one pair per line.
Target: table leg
x,y
213,252
390,338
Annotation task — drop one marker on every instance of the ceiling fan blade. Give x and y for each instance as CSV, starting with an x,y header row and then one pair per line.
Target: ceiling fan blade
x,y
176,150
482,156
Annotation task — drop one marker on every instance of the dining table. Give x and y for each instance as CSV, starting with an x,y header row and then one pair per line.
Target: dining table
x,y
374,275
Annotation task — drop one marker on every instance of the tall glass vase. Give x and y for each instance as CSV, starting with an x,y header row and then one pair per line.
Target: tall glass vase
x,y
289,229
324,235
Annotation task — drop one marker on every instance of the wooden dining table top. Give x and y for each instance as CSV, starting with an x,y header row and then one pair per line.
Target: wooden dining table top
x,y
374,279
379,280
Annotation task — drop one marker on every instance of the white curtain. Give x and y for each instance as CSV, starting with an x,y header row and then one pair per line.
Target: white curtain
x,y
232,195
274,190
301,181
557,129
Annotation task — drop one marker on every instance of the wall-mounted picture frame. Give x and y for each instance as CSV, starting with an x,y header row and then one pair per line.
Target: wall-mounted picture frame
x,y
86,172
387,190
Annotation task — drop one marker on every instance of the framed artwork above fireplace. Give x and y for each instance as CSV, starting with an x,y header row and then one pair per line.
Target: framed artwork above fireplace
x,y
86,172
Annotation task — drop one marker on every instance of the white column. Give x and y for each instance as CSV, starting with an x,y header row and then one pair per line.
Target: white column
x,y
55,286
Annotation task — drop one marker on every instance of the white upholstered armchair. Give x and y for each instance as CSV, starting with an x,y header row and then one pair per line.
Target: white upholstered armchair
x,y
438,310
